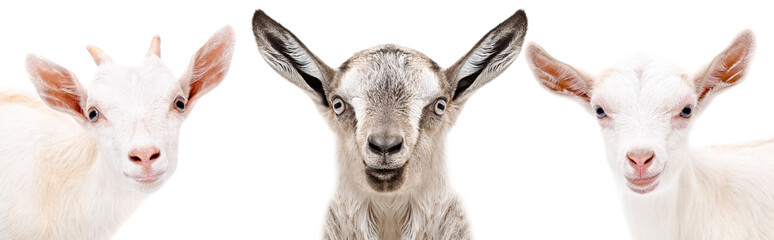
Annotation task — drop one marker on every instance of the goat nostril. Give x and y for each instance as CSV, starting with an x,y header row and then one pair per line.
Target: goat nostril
x,y
144,155
385,144
374,148
640,158
395,148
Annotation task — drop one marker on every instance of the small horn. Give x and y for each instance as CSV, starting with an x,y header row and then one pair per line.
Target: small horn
x,y
99,56
155,47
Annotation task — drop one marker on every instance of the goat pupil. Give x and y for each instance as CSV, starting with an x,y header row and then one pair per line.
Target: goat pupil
x,y
686,111
92,114
180,104
600,112
337,105
441,107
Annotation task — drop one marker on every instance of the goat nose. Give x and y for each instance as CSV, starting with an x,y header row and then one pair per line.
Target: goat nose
x,y
385,144
144,156
640,158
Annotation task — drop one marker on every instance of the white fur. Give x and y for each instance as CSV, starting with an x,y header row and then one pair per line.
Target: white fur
x,y
710,193
721,192
55,181
65,177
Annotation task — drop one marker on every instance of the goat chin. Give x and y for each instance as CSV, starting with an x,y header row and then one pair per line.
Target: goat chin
x,y
701,205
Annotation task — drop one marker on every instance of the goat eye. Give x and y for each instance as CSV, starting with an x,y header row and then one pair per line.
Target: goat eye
x,y
687,110
600,112
93,114
180,103
439,106
338,105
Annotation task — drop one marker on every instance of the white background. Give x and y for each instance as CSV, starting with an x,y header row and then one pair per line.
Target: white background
x,y
257,162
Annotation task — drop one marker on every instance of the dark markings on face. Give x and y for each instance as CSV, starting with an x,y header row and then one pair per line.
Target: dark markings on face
x,y
387,70
389,73
385,180
434,66
370,58
344,66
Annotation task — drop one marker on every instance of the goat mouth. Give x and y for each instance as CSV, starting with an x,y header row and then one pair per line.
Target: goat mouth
x,y
384,174
643,185
146,178
385,179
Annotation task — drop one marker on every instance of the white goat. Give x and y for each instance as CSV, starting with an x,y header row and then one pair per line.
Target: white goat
x,y
391,108
645,110
80,177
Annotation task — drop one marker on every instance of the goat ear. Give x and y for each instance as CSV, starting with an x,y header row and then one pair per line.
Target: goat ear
x,y
557,76
489,57
290,58
727,68
58,87
210,65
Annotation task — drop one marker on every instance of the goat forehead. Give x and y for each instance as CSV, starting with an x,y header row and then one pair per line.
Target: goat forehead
x,y
650,86
390,74
136,89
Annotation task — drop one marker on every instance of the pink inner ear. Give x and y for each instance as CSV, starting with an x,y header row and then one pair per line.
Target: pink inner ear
x,y
557,76
209,71
57,86
211,63
728,67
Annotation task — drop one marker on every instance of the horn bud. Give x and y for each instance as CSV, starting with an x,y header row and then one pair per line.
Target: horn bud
x,y
155,47
98,55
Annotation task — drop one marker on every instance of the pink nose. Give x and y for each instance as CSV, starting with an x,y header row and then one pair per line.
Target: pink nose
x,y
640,158
144,156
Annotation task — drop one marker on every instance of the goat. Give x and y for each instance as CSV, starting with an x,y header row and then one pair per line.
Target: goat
x,y
80,171
391,108
645,108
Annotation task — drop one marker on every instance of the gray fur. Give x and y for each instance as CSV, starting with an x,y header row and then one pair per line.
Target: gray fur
x,y
391,90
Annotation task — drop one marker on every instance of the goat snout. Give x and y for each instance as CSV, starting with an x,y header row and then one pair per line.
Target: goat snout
x,y
144,156
385,144
640,158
